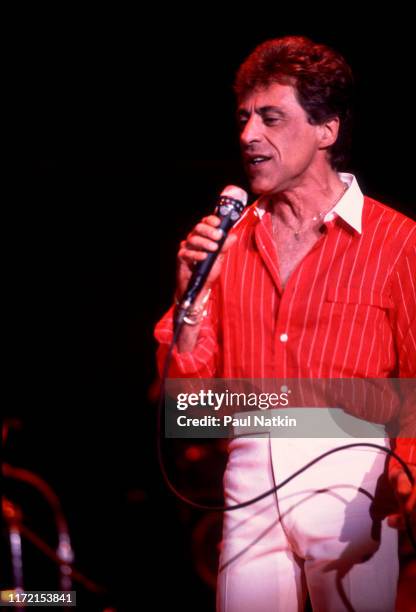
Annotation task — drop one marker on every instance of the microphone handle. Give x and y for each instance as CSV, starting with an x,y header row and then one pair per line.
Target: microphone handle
x,y
203,268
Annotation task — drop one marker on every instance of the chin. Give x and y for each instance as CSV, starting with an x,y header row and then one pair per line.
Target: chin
x,y
261,188
262,185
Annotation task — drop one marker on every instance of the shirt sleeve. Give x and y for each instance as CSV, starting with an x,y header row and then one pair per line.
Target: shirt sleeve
x,y
202,361
404,325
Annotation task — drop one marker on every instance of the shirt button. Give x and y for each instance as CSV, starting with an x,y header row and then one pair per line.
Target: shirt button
x,y
284,337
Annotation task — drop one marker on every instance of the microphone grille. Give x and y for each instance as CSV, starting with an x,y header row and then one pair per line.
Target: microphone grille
x,y
232,191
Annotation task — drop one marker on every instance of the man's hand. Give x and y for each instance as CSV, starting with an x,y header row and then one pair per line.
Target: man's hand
x,y
406,497
199,242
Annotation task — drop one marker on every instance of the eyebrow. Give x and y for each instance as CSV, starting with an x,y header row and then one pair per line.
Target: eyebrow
x,y
262,110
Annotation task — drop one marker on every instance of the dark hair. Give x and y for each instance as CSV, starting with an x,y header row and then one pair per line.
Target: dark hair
x,y
321,77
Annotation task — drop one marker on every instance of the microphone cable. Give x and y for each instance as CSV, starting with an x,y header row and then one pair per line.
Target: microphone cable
x,y
249,502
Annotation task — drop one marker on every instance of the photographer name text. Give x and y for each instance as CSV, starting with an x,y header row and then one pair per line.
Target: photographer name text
x,y
249,420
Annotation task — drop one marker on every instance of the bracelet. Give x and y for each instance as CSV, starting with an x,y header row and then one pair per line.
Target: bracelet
x,y
195,319
196,314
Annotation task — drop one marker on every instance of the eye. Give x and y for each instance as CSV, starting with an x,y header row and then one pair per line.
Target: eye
x,y
271,120
241,122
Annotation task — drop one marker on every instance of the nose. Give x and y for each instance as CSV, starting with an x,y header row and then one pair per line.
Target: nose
x,y
251,132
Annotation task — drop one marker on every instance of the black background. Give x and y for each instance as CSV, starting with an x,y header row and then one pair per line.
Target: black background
x,y
124,135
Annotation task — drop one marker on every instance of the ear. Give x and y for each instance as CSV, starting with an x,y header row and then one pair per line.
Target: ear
x,y
328,132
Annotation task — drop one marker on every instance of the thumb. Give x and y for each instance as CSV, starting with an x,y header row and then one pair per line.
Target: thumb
x,y
231,240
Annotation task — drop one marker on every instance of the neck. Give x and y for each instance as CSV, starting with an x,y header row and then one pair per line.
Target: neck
x,y
297,205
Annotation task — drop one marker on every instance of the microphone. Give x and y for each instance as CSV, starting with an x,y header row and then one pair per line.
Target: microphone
x,y
231,203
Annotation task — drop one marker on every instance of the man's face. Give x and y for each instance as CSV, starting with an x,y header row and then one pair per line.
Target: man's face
x,y
279,146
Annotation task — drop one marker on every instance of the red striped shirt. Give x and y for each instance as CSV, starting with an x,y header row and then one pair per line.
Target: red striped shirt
x,y
348,309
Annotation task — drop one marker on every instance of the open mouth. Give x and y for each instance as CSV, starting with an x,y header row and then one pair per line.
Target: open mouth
x,y
259,159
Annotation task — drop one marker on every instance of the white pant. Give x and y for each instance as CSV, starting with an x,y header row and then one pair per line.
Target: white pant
x,y
316,534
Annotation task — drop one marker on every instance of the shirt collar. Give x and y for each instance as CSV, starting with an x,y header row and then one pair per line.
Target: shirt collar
x,y
349,207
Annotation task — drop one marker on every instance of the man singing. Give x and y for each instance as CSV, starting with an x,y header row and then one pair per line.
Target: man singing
x,y
316,281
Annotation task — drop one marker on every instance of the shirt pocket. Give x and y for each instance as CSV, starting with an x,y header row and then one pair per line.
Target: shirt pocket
x,y
355,295
357,302
359,337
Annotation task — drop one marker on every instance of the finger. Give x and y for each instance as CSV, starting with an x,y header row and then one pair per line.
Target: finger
x,y
190,257
203,229
400,481
199,243
403,485
396,521
394,474
212,220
